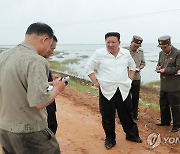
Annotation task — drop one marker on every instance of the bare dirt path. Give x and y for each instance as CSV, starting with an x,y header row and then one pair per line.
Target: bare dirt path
x,y
80,130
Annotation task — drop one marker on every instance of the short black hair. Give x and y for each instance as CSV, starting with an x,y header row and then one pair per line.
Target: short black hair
x,y
55,38
39,28
116,34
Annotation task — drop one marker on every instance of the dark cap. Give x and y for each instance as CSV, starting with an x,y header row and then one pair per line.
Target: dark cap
x,y
137,40
164,41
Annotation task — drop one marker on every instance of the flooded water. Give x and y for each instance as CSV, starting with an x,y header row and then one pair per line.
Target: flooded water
x,y
151,53
82,52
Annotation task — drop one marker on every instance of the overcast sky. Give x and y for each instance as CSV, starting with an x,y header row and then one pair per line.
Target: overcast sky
x,y
86,21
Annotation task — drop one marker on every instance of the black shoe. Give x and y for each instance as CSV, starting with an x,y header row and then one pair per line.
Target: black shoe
x,y
162,124
109,143
175,129
137,139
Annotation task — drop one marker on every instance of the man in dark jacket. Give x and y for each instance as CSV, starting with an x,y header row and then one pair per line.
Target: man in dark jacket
x,y
51,109
168,65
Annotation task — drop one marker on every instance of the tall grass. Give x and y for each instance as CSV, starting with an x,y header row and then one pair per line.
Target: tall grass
x,y
88,89
57,66
70,61
154,83
149,105
62,67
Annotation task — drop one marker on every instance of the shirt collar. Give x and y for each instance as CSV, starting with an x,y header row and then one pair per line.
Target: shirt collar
x,y
121,51
27,45
168,53
137,51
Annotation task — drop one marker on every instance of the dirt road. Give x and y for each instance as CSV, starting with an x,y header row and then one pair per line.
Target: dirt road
x,y
80,130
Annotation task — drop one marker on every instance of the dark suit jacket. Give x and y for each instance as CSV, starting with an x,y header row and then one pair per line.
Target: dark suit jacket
x,y
171,62
52,106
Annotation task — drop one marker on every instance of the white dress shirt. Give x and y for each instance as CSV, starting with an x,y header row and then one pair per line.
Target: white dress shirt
x,y
112,72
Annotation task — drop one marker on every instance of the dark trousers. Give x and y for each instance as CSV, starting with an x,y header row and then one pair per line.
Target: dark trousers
x,y
134,92
170,102
108,109
40,142
52,122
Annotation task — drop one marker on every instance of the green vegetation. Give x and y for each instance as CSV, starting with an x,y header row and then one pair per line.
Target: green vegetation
x,y
57,66
54,65
149,105
88,89
70,61
154,83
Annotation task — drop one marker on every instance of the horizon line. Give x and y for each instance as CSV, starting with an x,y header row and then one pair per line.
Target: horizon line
x,y
85,44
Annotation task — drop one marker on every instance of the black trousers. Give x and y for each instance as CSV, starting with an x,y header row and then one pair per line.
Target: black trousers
x,y
170,103
52,122
134,92
108,110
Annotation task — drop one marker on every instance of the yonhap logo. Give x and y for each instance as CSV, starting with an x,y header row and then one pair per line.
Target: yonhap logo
x,y
153,140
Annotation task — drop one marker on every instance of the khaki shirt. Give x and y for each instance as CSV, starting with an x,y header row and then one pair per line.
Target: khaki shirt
x,y
23,85
139,59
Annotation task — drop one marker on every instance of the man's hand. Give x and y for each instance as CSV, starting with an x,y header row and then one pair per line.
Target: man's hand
x,y
59,85
161,70
131,74
96,84
94,80
158,68
141,66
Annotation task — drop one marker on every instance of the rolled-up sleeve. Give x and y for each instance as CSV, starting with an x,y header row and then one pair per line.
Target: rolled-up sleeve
x,y
131,63
37,93
92,64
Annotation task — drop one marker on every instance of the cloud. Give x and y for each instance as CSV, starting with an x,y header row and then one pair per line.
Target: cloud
x,y
86,21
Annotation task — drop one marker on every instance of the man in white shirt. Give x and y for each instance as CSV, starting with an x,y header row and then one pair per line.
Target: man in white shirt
x,y
115,70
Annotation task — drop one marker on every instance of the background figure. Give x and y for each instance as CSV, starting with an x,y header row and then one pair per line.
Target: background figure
x,y
138,56
114,82
24,95
51,109
168,65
